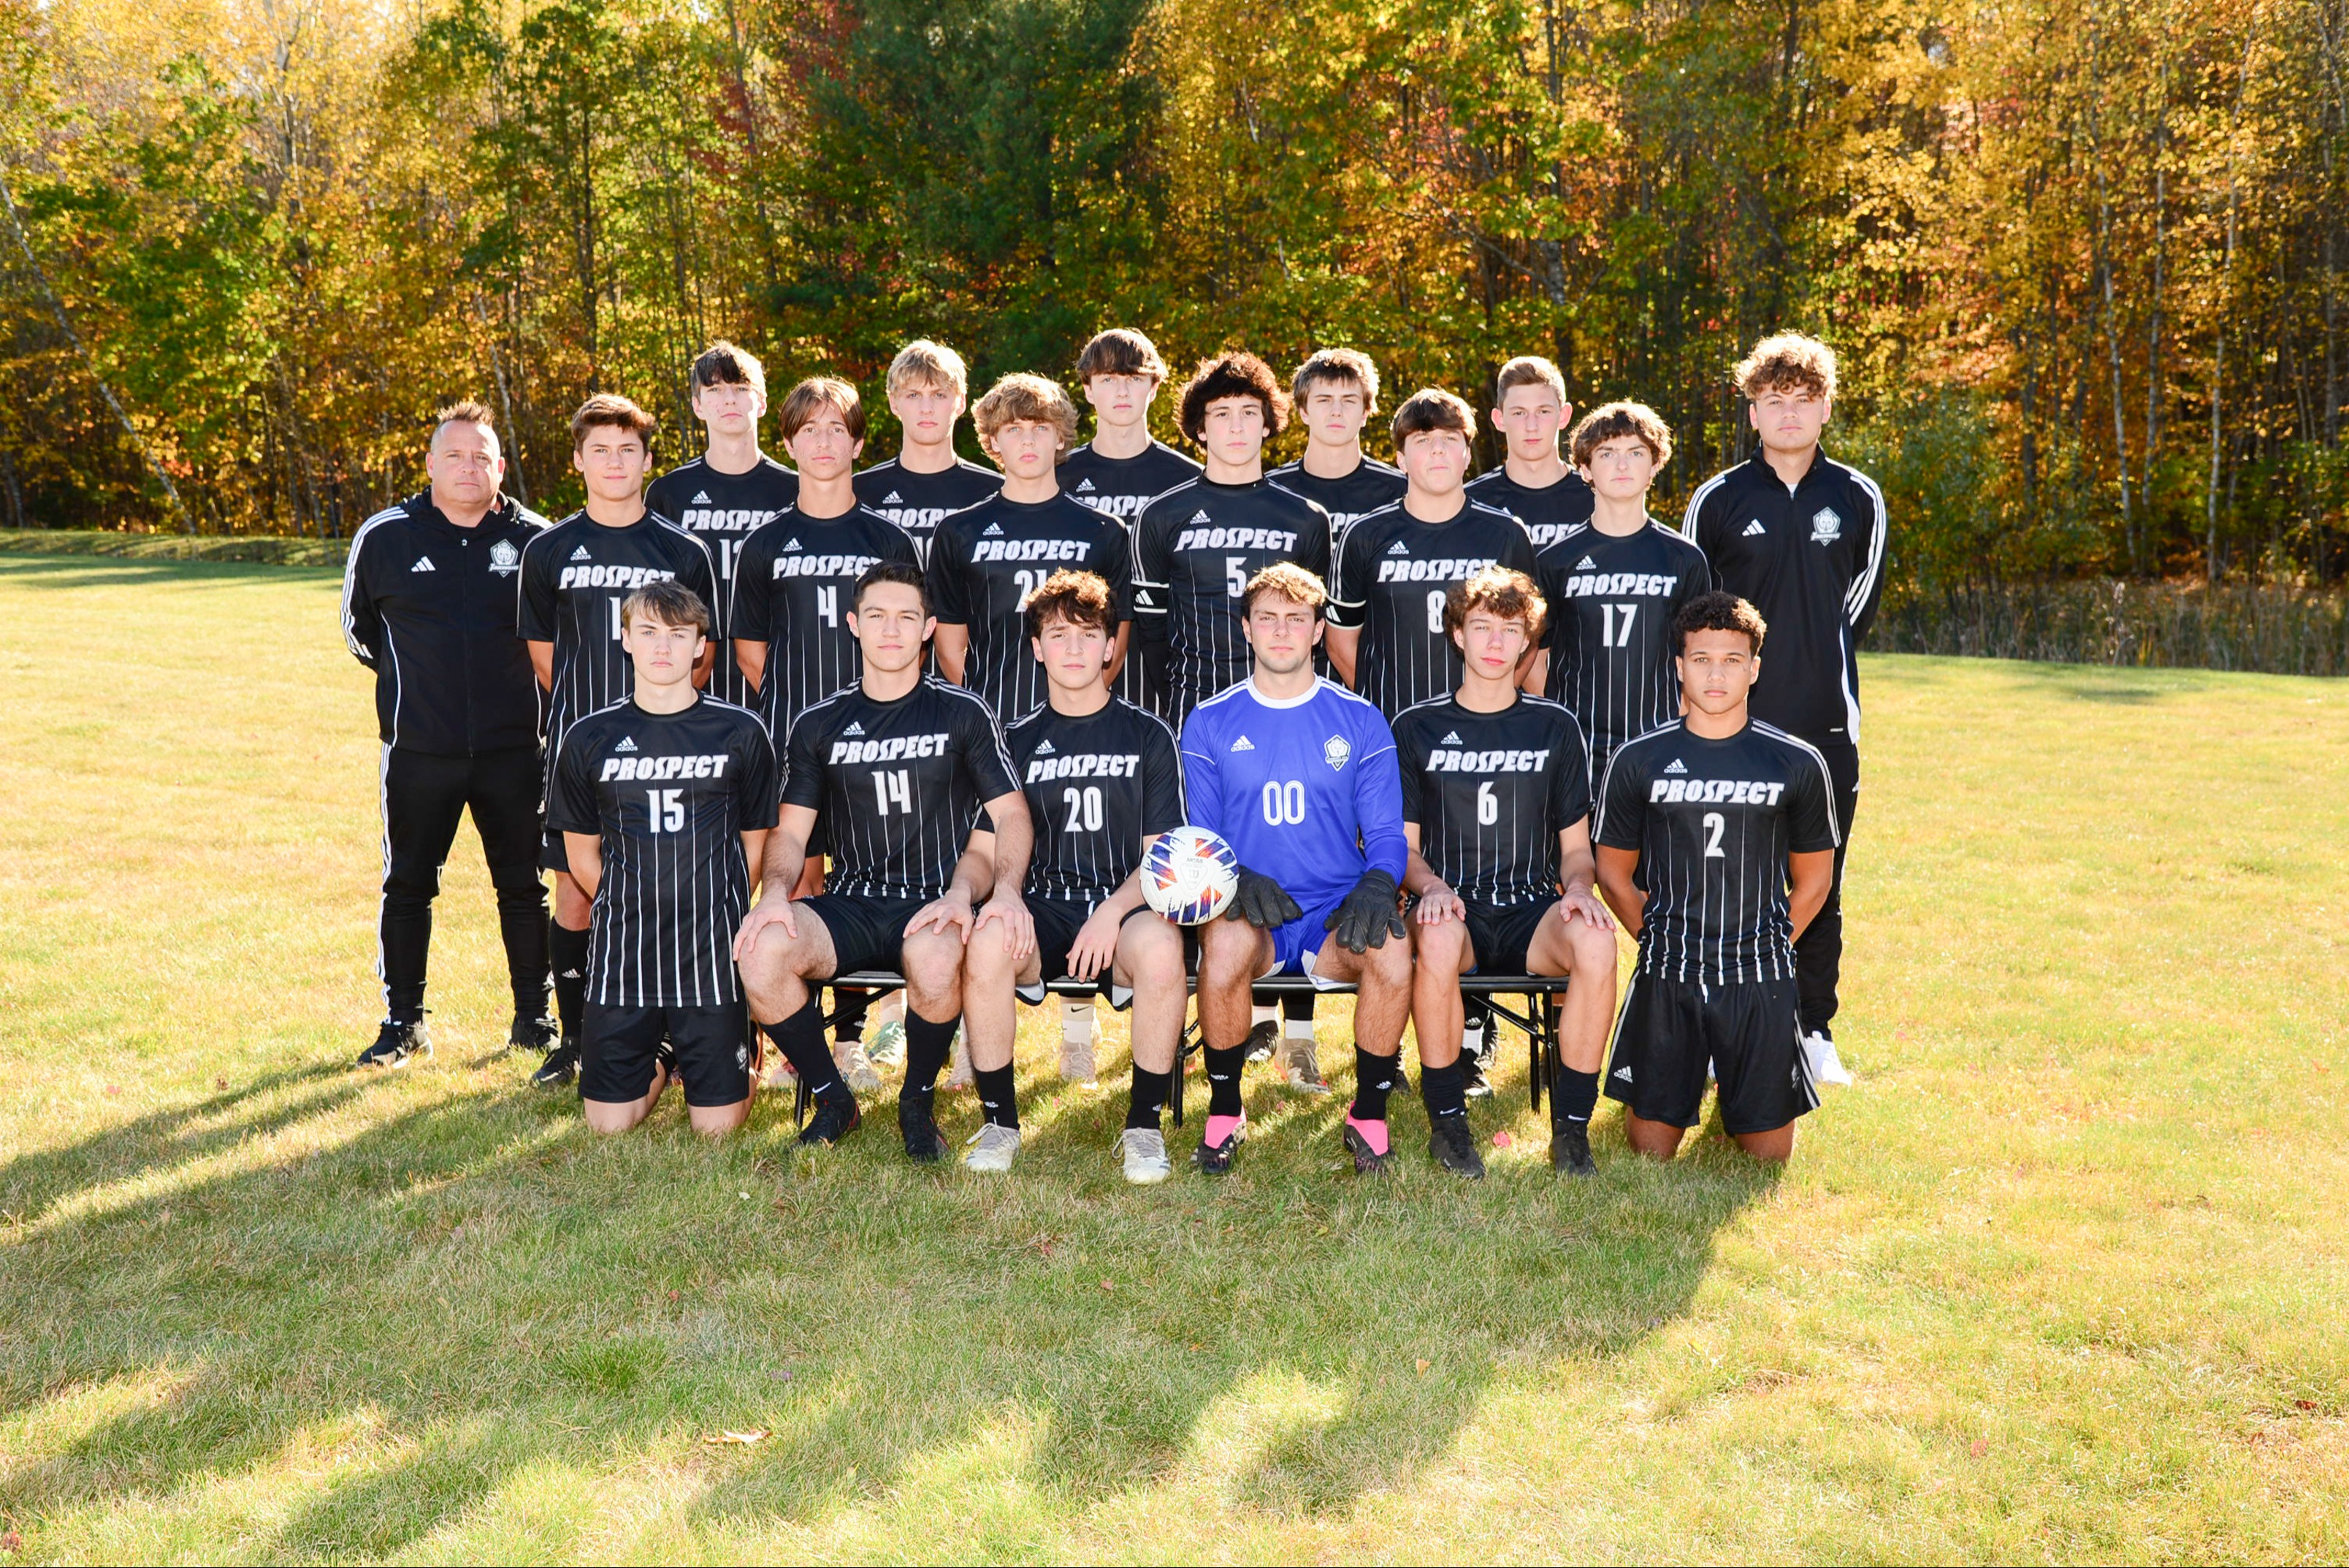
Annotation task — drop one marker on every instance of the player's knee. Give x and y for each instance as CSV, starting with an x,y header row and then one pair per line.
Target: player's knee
x,y
934,963
1592,950
1442,949
1154,953
1389,962
1227,942
408,879
517,884
985,960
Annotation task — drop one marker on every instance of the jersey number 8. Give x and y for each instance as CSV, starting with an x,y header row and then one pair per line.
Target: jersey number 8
x,y
1284,804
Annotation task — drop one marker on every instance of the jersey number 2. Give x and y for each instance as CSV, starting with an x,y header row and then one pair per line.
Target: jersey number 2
x,y
1713,828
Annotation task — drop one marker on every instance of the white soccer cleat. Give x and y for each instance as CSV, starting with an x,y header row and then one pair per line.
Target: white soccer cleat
x,y
1299,1069
1819,1054
996,1148
1080,1033
856,1068
1143,1150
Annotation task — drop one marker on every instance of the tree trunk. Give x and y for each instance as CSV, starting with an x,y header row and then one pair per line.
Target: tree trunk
x,y
2212,568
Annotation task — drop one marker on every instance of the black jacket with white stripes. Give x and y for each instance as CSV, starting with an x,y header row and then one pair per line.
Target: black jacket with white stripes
x,y
429,607
1810,557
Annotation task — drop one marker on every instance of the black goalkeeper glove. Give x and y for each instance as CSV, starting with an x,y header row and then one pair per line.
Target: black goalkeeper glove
x,y
1367,916
1261,902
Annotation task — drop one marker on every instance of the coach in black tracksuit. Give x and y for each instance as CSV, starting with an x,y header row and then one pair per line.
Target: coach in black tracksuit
x,y
430,603
1801,537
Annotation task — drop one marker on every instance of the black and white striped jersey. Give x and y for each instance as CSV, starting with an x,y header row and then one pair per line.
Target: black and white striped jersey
x,y
794,586
1194,549
1097,784
1372,485
1393,572
1122,487
1491,792
573,579
896,786
669,795
723,510
1612,602
1713,822
1547,510
920,502
985,563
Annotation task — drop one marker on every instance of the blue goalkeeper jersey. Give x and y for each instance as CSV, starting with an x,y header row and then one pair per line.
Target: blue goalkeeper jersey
x,y
1306,790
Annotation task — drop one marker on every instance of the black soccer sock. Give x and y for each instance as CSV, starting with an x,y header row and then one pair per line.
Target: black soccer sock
x,y
1297,1007
521,924
566,950
849,1007
1224,1079
1444,1090
927,1046
800,1039
1374,1081
1147,1102
1571,1096
999,1096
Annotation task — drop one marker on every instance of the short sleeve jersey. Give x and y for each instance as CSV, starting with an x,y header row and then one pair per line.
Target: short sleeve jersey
x,y
1304,789
1122,487
794,585
1491,792
723,510
573,577
668,796
1548,511
1612,602
920,502
1098,784
1195,547
1713,822
1393,572
896,786
985,563
1370,486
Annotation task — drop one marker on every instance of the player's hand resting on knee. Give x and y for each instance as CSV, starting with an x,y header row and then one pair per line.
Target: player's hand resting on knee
x,y
767,912
1096,944
1367,916
1586,905
1019,925
1438,904
948,913
1262,902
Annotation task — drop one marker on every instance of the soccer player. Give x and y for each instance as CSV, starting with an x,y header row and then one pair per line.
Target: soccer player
x,y
1801,536
1613,585
429,606
724,495
1335,392
1103,778
928,388
1298,776
664,800
1704,827
1497,804
573,579
1533,484
1396,564
986,559
895,769
1121,467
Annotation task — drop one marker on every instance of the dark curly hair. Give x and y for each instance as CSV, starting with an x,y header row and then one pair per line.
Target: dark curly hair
x,y
1717,611
1236,375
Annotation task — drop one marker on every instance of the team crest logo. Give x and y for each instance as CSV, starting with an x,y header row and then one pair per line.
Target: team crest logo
x,y
504,558
1827,527
1336,751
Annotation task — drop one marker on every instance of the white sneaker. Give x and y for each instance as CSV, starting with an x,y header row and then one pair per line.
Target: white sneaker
x,y
1144,1150
997,1147
1819,1053
1079,1033
779,1077
958,1073
856,1070
888,1044
1299,1069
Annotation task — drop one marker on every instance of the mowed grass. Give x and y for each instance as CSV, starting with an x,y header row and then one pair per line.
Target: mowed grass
x,y
2060,1277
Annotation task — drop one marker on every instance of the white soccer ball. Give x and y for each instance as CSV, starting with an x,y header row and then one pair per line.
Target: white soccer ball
x,y
1189,875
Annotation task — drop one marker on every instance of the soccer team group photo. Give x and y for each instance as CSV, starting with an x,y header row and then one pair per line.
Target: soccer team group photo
x,y
836,763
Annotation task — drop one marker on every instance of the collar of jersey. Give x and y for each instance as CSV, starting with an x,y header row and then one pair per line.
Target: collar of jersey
x,y
1311,692
1760,461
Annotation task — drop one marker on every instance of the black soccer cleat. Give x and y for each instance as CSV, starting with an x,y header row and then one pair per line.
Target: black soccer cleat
x,y
834,1120
1569,1149
397,1045
1262,1040
1216,1158
529,1034
1370,1159
925,1144
1455,1148
560,1069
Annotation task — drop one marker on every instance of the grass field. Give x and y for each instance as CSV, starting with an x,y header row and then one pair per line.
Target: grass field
x,y
2062,1275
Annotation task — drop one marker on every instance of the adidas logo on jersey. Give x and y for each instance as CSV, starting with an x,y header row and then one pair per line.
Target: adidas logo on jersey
x,y
1243,744
1084,485
1755,528
992,530
701,497
1675,766
1045,749
628,743
1201,516
1585,564
1623,1073
893,499
581,554
423,564
1452,739
793,544
853,729
1397,548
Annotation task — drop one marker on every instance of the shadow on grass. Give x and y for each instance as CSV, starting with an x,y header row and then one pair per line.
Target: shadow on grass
x,y
477,1291
40,572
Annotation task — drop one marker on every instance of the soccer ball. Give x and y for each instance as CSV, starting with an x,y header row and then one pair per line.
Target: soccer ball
x,y
1189,875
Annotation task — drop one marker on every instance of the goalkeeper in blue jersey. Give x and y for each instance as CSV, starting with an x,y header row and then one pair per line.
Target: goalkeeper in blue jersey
x,y
1298,776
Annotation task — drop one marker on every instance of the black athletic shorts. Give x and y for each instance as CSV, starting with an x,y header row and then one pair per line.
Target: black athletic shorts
x,y
866,932
1502,934
553,857
1058,921
709,1048
1748,1031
